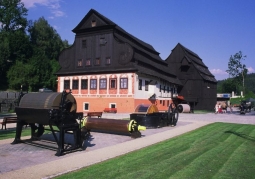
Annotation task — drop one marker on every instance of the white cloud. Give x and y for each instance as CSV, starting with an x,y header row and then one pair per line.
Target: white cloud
x,y
53,5
218,72
250,70
55,27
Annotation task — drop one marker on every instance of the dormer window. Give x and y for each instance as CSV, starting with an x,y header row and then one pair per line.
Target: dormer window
x,y
102,41
88,63
97,61
79,63
93,23
84,44
108,61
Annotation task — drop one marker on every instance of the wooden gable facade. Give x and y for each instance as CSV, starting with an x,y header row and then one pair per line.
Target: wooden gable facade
x,y
199,87
106,67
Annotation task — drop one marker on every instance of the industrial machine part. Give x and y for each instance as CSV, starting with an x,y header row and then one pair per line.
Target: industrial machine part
x,y
148,115
243,107
53,109
116,126
183,108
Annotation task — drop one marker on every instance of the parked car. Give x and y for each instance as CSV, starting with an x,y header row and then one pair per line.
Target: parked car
x,y
245,107
45,90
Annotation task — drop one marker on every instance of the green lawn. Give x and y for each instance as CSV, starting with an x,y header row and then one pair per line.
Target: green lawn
x,y
219,150
8,134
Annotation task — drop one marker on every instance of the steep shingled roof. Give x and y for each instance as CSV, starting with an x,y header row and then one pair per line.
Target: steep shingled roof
x,y
111,23
144,53
198,63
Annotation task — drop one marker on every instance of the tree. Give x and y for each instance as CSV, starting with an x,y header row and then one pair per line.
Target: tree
x,y
13,40
12,15
47,45
226,86
236,69
22,74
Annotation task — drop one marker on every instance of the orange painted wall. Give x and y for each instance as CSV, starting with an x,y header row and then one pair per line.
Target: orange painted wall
x,y
123,105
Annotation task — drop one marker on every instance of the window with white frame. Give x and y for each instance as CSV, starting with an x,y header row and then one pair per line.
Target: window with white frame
x,y
75,84
93,84
140,83
168,89
85,106
123,83
84,84
113,105
102,83
113,83
147,85
66,84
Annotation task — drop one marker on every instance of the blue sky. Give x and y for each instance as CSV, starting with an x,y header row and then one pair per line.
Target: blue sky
x,y
214,30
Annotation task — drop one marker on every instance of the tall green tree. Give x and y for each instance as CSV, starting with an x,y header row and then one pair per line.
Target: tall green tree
x,y
13,40
47,45
227,86
12,15
236,68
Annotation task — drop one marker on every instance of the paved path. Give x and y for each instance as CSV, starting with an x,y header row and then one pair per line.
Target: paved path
x,y
38,160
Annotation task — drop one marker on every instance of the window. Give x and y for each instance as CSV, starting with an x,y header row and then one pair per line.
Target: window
x,y
79,63
140,84
113,105
75,84
102,41
66,84
147,85
93,23
84,43
108,61
93,84
168,89
84,84
86,106
164,89
102,84
159,88
87,62
123,83
97,61
113,83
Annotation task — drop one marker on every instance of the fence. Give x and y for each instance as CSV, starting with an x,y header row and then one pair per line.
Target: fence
x,y
8,101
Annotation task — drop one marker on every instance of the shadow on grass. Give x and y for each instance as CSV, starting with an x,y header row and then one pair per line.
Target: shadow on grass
x,y
242,135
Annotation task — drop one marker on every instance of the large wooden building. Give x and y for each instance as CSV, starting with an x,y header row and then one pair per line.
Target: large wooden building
x,y
106,67
199,87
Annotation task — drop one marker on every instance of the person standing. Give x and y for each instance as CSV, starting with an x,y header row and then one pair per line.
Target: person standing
x,y
216,108
231,108
220,109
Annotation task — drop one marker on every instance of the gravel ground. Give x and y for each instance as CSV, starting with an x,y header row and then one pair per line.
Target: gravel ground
x,y
38,160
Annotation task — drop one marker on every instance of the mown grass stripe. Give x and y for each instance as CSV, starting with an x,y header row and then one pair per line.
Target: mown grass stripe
x,y
241,162
191,155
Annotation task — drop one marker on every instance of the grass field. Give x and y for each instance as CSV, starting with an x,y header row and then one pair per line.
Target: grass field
x,y
8,134
219,150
